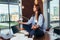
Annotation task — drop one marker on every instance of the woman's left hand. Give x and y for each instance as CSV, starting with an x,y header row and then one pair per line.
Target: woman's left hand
x,y
34,27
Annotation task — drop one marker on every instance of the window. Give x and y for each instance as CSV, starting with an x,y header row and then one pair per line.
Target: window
x,y
54,13
14,14
9,13
4,17
13,1
3,0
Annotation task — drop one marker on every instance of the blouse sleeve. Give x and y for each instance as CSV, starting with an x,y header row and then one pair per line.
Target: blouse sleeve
x,y
40,20
30,21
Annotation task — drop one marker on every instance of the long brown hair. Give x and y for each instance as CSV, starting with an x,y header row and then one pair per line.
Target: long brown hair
x,y
38,9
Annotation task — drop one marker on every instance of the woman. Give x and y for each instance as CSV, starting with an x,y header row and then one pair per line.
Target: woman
x,y
37,21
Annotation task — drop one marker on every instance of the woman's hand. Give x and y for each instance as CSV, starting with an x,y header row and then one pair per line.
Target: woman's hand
x,y
19,22
34,27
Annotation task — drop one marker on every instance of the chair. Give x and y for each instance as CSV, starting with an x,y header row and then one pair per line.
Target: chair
x,y
14,29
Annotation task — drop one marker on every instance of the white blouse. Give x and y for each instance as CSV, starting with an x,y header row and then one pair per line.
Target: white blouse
x,y
39,22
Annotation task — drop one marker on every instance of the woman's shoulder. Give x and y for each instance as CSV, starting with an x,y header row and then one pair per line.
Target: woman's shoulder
x,y
32,17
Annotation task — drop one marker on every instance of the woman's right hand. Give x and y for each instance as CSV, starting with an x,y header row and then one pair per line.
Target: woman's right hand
x,y
19,21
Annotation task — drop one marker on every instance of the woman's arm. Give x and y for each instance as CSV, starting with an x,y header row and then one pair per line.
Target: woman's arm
x,y
29,21
22,22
